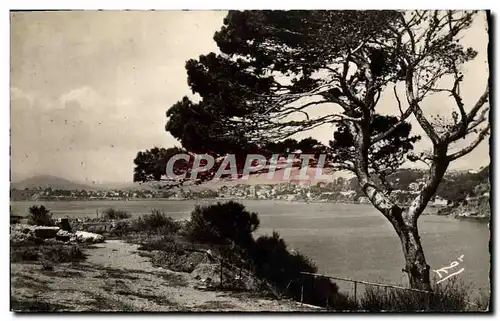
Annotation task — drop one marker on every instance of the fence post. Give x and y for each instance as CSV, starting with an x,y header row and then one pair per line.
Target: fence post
x,y
313,278
221,259
301,289
355,291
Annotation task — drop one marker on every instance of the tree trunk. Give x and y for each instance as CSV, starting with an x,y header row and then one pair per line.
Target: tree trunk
x,y
416,265
405,225
403,221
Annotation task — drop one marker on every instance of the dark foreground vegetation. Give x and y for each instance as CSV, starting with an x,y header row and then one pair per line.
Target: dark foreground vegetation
x,y
217,245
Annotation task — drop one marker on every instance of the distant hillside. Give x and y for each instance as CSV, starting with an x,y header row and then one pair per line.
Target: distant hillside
x,y
455,187
46,181
471,196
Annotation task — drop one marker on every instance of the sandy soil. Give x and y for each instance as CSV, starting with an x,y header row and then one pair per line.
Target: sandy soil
x,y
116,278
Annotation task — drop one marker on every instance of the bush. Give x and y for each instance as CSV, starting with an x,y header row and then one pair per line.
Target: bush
x,y
121,228
219,223
47,265
274,263
56,253
156,222
15,219
172,253
165,243
40,215
481,302
23,254
113,214
452,296
228,228
62,253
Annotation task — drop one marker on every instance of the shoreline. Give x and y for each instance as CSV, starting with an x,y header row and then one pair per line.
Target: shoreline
x,y
433,212
208,199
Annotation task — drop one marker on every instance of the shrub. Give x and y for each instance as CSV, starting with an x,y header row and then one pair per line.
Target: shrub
x,y
62,253
56,253
342,302
452,296
121,228
156,222
165,243
172,253
114,214
216,224
47,265
23,254
40,215
481,302
228,228
15,219
273,262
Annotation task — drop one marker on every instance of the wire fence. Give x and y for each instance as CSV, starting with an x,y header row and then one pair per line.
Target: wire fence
x,y
356,285
234,271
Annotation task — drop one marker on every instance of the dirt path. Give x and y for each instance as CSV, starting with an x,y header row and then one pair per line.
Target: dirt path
x,y
116,254
115,278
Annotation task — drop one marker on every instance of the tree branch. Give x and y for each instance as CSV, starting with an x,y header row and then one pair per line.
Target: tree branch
x,y
417,111
480,102
467,123
471,147
345,87
397,98
437,170
393,128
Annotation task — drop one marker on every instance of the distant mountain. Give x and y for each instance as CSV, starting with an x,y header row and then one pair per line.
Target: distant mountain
x,y
46,181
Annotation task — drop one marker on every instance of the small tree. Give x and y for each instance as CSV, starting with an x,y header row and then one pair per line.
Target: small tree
x,y
223,222
40,215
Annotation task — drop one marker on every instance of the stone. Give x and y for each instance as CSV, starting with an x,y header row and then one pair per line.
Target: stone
x,y
63,235
64,224
46,232
87,237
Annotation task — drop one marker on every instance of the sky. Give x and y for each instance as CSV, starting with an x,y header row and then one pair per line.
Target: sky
x,y
90,89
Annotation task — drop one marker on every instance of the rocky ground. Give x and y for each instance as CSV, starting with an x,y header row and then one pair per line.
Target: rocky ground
x,y
114,277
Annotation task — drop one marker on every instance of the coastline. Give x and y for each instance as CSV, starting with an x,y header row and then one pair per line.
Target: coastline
x,y
160,199
431,209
